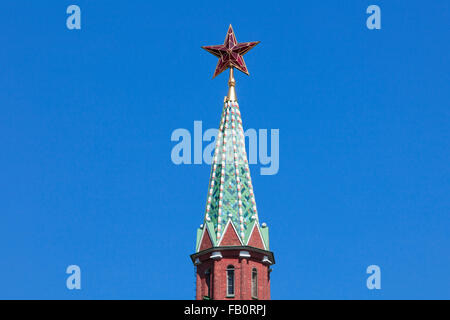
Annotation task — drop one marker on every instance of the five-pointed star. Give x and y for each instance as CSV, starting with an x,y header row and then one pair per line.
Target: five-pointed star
x,y
230,53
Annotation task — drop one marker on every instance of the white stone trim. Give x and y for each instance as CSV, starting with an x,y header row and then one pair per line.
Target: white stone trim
x,y
244,254
266,260
216,255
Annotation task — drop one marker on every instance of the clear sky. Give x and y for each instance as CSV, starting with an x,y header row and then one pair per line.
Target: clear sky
x,y
86,117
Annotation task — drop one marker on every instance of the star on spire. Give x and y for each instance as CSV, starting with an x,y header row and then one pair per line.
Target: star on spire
x,y
230,53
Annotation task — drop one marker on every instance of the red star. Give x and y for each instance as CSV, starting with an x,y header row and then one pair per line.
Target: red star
x,y
230,53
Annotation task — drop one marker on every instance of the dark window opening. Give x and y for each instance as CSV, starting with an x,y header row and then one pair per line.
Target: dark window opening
x,y
230,281
208,283
254,283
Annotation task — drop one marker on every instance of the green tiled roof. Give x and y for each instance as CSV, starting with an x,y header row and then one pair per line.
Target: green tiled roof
x,y
230,193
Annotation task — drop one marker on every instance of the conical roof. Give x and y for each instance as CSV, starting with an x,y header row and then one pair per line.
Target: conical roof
x,y
231,205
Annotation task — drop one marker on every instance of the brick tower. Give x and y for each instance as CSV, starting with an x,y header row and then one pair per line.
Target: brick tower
x,y
232,256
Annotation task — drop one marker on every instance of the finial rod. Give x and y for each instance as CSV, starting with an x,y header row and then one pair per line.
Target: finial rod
x,y
231,86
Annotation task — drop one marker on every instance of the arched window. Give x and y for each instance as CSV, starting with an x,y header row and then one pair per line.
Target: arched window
x,y
230,281
254,283
208,283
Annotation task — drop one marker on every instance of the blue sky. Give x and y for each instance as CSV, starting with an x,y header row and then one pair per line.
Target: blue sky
x,y
86,117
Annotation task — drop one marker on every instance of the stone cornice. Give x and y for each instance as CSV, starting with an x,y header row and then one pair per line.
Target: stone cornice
x,y
208,252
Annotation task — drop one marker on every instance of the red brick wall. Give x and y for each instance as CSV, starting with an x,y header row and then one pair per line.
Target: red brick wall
x,y
230,238
202,289
242,276
206,241
255,239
